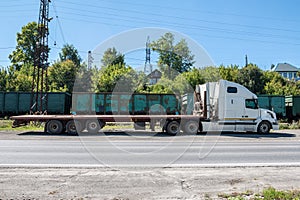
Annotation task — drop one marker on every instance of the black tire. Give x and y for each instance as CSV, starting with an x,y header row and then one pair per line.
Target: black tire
x,y
173,128
73,127
93,126
191,127
263,127
54,127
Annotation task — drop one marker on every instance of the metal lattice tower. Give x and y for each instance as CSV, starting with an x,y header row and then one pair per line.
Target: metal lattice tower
x,y
39,82
148,66
90,60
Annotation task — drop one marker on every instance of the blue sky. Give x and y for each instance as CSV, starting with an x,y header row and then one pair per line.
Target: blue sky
x,y
267,31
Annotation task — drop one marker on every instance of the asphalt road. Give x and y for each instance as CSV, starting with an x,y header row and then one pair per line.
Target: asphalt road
x,y
140,149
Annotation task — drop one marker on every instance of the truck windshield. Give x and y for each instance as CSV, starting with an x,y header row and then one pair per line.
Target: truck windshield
x,y
251,103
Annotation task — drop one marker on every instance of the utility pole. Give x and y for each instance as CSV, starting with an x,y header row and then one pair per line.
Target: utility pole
x,y
39,87
246,60
148,66
90,60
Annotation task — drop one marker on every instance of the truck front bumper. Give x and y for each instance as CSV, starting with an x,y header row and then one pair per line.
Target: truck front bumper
x,y
275,126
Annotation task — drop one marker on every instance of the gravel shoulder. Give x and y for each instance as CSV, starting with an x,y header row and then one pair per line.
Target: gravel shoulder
x,y
142,183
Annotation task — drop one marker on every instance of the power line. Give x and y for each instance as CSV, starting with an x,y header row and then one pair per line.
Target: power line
x,y
243,33
178,25
176,17
182,10
58,21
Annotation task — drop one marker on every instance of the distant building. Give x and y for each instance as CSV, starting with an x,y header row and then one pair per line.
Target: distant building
x,y
287,70
154,76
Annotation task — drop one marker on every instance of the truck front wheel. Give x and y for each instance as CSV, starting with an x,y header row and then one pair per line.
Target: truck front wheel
x,y
54,127
263,127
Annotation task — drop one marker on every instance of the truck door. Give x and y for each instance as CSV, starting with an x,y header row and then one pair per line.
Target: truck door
x,y
242,113
234,111
251,112
239,106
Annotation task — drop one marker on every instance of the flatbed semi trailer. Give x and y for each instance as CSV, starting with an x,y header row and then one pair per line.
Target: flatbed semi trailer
x,y
73,124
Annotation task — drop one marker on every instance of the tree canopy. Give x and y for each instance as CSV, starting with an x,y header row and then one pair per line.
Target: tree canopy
x,y
173,58
112,57
26,44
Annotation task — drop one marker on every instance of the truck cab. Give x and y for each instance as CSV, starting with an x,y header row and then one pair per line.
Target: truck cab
x,y
228,106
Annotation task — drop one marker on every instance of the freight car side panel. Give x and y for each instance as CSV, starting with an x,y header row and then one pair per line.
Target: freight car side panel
x,y
24,102
59,103
170,104
273,102
2,104
296,106
124,103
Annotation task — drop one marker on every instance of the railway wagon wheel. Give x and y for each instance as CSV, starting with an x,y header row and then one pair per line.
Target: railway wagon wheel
x,y
54,127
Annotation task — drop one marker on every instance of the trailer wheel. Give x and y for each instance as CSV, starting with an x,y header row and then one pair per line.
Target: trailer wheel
x,y
73,127
93,126
191,127
263,127
54,127
173,128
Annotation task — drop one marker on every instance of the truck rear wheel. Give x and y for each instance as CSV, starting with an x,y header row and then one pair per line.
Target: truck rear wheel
x,y
263,127
54,127
73,127
93,125
173,128
191,127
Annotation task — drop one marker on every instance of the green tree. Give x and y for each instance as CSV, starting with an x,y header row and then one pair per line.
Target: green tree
x,y
252,78
112,57
83,82
229,73
274,83
69,52
26,44
3,79
210,74
194,77
62,76
173,57
112,76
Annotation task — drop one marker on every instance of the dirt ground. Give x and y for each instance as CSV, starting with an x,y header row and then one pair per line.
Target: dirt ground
x,y
142,183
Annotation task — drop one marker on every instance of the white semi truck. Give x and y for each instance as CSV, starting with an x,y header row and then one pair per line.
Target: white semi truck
x,y
218,106
228,106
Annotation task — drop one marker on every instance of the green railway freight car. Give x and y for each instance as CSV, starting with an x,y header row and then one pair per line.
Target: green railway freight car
x,y
59,103
124,103
18,103
187,103
292,107
275,103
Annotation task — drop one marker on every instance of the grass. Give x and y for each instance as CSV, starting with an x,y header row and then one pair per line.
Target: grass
x,y
293,125
267,194
6,125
